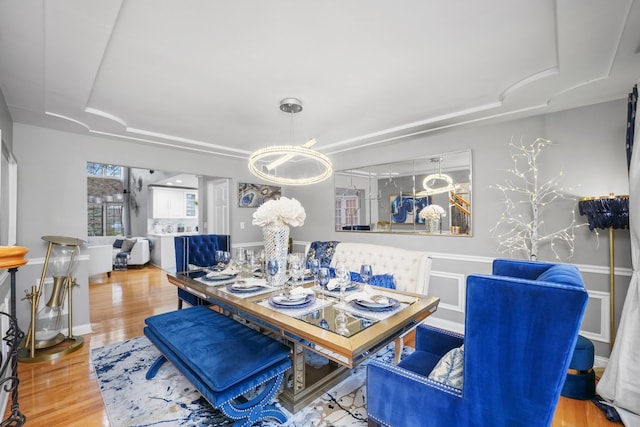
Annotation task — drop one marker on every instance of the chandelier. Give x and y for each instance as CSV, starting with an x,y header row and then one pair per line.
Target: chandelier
x,y
291,164
436,183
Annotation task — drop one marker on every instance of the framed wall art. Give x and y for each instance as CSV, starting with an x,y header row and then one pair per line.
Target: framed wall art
x,y
254,195
405,208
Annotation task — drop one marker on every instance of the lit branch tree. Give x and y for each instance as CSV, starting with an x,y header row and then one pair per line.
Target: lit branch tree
x,y
521,227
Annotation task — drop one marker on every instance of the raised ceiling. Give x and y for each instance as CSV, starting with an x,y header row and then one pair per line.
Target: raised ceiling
x,y
208,75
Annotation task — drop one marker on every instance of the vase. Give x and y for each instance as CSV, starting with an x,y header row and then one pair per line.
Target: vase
x,y
432,225
276,244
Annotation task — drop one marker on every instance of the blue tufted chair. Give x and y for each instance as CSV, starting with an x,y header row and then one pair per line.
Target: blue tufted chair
x,y
199,250
521,327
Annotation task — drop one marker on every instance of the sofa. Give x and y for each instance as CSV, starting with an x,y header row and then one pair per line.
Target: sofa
x,y
139,255
410,269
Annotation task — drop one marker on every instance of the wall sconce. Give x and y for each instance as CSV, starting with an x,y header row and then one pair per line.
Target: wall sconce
x,y
44,340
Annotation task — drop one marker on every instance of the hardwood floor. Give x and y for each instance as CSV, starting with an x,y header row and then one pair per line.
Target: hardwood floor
x,y
65,392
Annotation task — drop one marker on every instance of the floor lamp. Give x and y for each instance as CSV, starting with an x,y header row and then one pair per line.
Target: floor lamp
x,y
607,212
12,257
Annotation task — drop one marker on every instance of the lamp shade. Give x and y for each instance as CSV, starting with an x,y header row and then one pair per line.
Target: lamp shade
x,y
606,211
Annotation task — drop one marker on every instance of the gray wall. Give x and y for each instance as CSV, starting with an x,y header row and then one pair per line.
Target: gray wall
x,y
6,125
590,151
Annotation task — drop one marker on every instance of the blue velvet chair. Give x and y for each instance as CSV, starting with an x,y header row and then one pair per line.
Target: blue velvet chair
x,y
198,250
521,327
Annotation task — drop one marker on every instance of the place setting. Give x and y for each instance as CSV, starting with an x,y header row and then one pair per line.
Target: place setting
x,y
295,302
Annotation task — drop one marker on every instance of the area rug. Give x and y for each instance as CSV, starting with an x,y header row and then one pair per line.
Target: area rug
x,y
169,399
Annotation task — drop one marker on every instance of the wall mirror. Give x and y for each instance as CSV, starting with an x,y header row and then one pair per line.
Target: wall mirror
x,y
430,195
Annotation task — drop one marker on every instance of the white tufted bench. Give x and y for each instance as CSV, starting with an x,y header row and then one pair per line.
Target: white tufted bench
x,y
410,269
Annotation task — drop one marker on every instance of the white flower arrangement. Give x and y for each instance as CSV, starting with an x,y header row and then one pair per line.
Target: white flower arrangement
x,y
432,212
283,210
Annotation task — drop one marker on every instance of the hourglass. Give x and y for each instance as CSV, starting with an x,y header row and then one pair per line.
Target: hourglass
x,y
47,324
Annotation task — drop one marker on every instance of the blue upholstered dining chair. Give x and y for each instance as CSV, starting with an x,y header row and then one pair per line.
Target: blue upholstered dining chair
x,y
521,326
198,250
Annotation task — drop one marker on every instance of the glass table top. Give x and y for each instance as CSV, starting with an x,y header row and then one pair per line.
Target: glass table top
x,y
319,307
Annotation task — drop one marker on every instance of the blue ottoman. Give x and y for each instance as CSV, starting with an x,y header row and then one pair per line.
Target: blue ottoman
x,y
581,380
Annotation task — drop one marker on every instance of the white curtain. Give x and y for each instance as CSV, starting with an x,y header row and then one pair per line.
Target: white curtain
x,y
620,384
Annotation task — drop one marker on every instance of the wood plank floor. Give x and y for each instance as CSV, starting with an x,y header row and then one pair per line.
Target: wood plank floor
x,y
65,392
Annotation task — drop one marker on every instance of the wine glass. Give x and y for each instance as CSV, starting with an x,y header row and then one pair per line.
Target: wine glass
x,y
272,269
226,259
314,267
323,276
296,269
219,257
343,277
241,258
366,273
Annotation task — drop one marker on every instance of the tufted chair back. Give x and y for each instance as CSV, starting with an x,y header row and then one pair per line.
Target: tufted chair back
x,y
199,250
410,269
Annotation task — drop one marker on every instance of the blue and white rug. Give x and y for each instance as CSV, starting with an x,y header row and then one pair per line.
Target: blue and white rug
x,y
169,399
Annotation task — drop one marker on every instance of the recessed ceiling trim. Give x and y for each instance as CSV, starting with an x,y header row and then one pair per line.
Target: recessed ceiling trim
x,y
60,116
451,125
106,115
166,144
528,80
414,125
187,140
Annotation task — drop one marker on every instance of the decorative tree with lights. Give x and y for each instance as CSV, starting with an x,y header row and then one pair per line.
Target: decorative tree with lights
x,y
521,228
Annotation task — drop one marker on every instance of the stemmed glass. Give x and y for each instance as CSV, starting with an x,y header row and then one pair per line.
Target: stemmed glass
x,y
323,277
219,257
343,277
296,269
272,269
222,259
366,273
314,267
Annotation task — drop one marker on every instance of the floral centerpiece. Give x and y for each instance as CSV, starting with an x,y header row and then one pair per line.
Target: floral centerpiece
x,y
281,211
275,217
432,215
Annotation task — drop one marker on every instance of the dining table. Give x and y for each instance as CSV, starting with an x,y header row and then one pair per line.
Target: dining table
x,y
329,330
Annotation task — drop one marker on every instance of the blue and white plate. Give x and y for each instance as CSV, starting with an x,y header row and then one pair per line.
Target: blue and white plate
x,y
219,277
242,287
390,304
292,300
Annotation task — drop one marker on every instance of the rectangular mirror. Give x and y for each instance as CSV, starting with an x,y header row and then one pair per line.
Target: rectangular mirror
x,y
430,195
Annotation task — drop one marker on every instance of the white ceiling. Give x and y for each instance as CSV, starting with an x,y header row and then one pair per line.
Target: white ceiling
x,y
208,75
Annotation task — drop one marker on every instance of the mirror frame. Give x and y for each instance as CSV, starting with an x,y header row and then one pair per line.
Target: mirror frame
x,y
360,191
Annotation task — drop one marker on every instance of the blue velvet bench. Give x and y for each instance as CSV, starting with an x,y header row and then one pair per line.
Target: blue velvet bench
x,y
223,359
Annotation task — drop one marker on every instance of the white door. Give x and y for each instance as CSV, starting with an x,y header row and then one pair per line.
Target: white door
x,y
218,207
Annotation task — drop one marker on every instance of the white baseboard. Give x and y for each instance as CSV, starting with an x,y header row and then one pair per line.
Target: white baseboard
x,y
445,324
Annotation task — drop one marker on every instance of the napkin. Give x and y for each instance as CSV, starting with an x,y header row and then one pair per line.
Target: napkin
x,y
250,283
366,294
333,284
229,271
301,290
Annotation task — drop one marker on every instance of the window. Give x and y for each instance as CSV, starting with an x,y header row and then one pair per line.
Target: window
x,y
347,210
107,171
105,211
